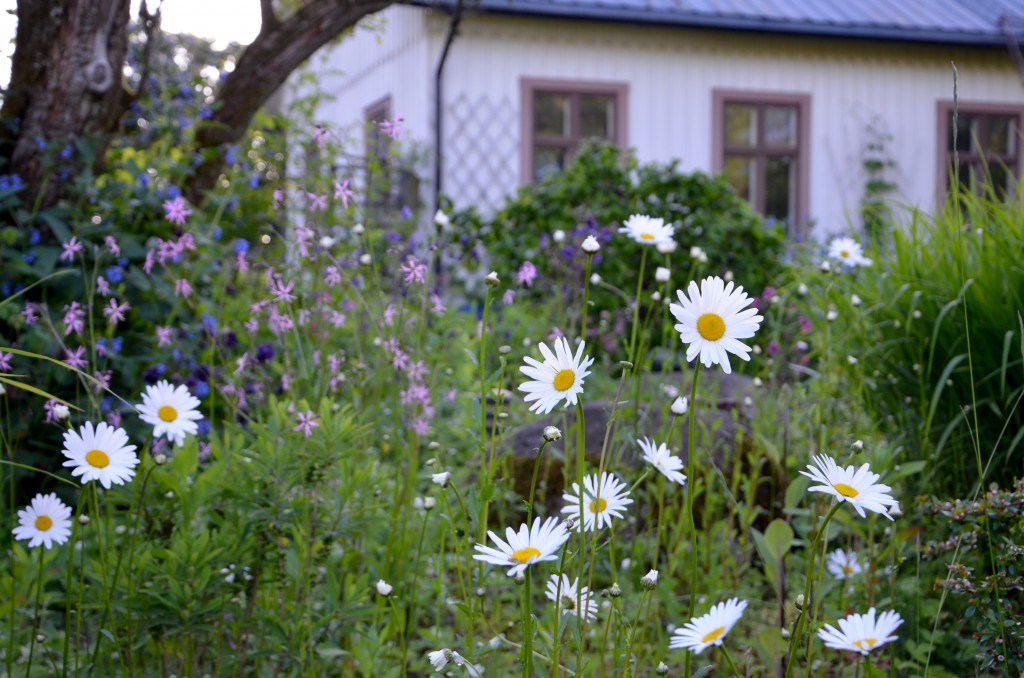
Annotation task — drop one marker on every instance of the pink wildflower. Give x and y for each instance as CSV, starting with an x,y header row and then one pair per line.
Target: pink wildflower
x,y
418,370
147,267
400,361
176,211
508,297
278,197
182,288
74,319
242,363
71,248
102,286
527,273
241,263
281,291
111,244
332,276
555,334
75,358
320,136
115,312
5,361
163,336
420,426
389,315
414,271
307,422
102,380
391,127
30,313
317,202
343,192
436,306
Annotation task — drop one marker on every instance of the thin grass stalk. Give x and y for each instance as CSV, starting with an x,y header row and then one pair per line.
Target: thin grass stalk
x,y
691,524
527,627
632,635
732,664
533,482
35,613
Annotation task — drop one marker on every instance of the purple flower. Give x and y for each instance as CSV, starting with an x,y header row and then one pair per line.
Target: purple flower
x,y
75,358
163,336
508,297
307,422
391,127
317,202
414,271
115,312
111,244
182,288
5,361
773,347
71,248
74,319
281,291
527,273
176,211
343,192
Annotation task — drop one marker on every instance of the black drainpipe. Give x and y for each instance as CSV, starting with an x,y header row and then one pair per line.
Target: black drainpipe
x,y
453,26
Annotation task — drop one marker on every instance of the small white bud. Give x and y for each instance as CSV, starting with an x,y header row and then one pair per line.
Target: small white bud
x,y
650,580
832,314
520,578
505,349
756,349
758,383
802,290
916,314
852,360
595,279
728,276
433,445
662,669
679,406
896,510
662,274
666,246
441,219
358,229
590,245
384,588
858,445
656,296
800,602
785,633
551,434
61,411
327,242
83,519
558,236
365,259
825,266
615,591
492,279
442,479
855,300
160,459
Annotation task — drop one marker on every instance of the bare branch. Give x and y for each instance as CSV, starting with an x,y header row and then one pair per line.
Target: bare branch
x,y
270,21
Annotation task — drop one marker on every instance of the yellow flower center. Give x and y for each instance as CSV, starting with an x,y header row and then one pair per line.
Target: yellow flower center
x,y
870,642
44,523
646,236
524,555
564,380
711,326
847,569
712,636
598,506
97,458
846,490
844,254
167,413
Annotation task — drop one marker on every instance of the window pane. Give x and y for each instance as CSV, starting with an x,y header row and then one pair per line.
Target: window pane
x,y
740,172
1000,131
548,161
780,126
964,132
780,188
1002,179
551,114
597,116
740,125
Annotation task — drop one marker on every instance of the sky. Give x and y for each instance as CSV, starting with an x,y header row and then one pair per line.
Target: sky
x,y
222,21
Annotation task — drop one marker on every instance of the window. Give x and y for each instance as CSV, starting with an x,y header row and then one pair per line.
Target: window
x,y
988,138
378,144
761,145
559,116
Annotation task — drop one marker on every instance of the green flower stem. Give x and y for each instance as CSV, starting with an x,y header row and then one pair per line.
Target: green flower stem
x,y
636,308
527,627
732,664
643,476
794,641
691,524
586,296
412,597
533,482
581,440
35,614
632,635
556,637
67,585
657,519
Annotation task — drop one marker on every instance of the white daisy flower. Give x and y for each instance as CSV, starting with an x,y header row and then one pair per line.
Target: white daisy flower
x,y
646,230
848,252
660,458
862,632
570,597
525,547
712,320
172,411
46,520
854,486
601,501
440,658
101,453
703,632
559,377
843,564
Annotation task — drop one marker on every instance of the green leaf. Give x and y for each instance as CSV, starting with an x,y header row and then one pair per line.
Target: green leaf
x,y
778,538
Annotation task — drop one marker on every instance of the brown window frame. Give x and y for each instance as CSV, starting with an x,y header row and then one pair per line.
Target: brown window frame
x,y
944,156
373,114
720,98
528,87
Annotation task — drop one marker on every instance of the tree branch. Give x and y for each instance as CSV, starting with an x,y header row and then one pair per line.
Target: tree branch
x,y
263,68
270,21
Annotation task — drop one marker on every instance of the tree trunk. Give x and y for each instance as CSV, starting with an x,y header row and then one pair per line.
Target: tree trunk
x,y
280,48
65,86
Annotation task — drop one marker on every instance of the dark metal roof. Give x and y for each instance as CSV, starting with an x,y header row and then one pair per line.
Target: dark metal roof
x,y
967,22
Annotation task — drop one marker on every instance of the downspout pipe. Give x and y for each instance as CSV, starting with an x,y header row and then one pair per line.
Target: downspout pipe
x,y
453,27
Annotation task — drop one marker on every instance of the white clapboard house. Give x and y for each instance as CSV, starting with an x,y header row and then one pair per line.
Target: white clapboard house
x,y
799,102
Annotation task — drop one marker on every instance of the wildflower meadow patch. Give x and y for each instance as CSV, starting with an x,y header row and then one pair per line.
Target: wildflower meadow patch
x,y
274,433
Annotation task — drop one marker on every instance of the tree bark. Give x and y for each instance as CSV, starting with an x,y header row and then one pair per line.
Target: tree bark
x,y
280,48
65,86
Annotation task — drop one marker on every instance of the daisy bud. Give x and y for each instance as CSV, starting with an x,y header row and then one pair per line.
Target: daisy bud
x,y
520,579
896,510
551,434
160,459
492,279
916,367
650,580
359,229
615,591
558,236
666,246
758,383
728,276
656,296
442,479
756,350
595,279
327,242
441,219
825,266
855,300
481,592
433,445
832,314
679,406
83,519
365,259
2,390
662,274
570,523
40,638
896,324
384,588
662,669
800,602
590,245
850,359
785,633
916,315
61,412
626,365
802,290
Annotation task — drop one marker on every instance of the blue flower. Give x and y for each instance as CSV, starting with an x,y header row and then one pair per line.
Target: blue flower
x,y
254,181
173,192
218,232
65,152
202,389
116,343
241,245
29,258
209,322
115,274
204,426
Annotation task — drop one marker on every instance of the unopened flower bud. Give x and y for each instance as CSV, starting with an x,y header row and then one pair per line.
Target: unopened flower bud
x,y
492,279
442,479
825,266
433,445
662,669
662,274
61,411
358,229
83,519
558,236
801,290
800,602
679,406
505,349
666,246
551,434
728,276
832,314
384,588
650,580
520,578
365,259
595,279
160,459
615,591
857,445
785,633
590,245
441,219
855,300
656,296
